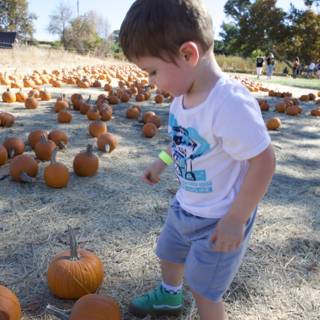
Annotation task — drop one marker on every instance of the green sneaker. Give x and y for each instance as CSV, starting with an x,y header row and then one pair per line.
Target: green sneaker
x,y
157,302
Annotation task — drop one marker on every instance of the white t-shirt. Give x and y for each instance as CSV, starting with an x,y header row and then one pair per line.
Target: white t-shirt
x,y
211,144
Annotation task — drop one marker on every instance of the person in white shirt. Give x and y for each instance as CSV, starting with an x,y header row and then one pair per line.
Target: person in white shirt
x,y
220,148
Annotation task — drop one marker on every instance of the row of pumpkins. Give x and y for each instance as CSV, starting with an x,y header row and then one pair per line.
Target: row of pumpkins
x,y
72,274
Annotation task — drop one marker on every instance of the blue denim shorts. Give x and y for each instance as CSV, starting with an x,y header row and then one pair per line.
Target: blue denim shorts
x,y
185,239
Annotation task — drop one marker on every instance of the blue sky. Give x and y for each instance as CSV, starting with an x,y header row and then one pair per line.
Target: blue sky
x,y
115,10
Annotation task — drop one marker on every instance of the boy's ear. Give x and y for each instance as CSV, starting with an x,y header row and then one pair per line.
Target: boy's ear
x,y
189,52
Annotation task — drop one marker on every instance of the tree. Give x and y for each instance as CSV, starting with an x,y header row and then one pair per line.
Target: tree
x,y
16,17
59,21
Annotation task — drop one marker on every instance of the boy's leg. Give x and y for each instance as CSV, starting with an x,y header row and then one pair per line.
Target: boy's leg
x,y
172,273
209,310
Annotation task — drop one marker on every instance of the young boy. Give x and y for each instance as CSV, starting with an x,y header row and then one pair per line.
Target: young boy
x,y
220,148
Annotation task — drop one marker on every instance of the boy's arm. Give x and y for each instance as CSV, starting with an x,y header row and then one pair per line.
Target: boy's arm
x,y
230,229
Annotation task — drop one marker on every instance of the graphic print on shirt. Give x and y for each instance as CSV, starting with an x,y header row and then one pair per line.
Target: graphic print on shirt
x,y
187,145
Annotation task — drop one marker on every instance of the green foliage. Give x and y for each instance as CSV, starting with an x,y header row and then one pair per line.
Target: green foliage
x,y
257,53
14,16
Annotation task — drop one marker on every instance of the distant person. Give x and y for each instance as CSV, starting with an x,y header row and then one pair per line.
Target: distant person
x,y
259,66
285,71
311,69
270,65
296,67
221,152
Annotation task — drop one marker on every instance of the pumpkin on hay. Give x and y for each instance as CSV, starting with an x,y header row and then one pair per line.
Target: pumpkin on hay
x,y
75,272
56,175
3,155
35,136
14,146
86,163
90,306
97,128
31,103
64,116
273,123
44,148
59,137
107,142
149,130
10,308
315,112
23,168
8,96
6,119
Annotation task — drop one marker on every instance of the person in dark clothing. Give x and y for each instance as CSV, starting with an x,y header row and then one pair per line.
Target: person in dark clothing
x,y
259,66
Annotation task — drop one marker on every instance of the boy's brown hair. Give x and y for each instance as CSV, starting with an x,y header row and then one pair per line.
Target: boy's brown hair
x,y
159,27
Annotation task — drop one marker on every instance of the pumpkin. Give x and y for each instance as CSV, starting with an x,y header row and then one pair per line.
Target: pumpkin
x,y
133,113
292,110
59,137
85,106
3,155
154,119
10,308
97,128
34,93
61,104
76,100
45,95
35,136
31,103
44,148
113,99
6,119
93,114
149,130
124,97
64,116
273,123
106,113
8,96
281,107
21,96
315,112
23,168
159,98
14,146
90,306
96,84
75,272
146,115
85,163
56,175
140,97
107,142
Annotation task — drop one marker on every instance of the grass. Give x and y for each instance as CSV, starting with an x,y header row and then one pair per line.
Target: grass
x,y
298,83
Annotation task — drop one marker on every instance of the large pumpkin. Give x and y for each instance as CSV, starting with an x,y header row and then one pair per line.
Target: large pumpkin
x,y
107,142
75,272
9,305
23,168
44,148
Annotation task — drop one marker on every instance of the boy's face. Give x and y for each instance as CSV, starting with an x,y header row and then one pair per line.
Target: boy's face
x,y
167,76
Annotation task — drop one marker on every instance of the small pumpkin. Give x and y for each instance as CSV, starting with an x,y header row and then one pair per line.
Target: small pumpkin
x,y
113,99
146,115
3,155
45,95
133,113
76,100
23,168
44,148
21,96
106,113
107,142
35,136
273,123
86,163
8,96
292,110
90,306
14,146
75,272
315,112
93,114
31,103
56,175
6,119
10,308
154,119
85,106
149,130
64,116
97,128
59,137
159,98
61,104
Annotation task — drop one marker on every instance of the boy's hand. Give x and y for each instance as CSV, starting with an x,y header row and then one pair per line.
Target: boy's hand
x,y
152,174
227,235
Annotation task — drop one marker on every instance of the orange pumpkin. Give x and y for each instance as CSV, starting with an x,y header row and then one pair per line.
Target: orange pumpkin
x,y
56,175
273,123
86,164
3,155
23,168
315,112
146,115
76,100
107,142
149,130
91,306
93,114
75,272
10,308
8,96
45,95
6,119
59,137
61,104
97,128
64,116
21,96
14,146
35,136
159,98
133,113
31,103
154,119
44,148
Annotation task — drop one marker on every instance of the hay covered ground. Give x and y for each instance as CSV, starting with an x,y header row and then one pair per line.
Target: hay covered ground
x,y
119,217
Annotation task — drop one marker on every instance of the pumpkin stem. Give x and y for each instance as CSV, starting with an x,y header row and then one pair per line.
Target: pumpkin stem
x,y
59,313
11,153
61,145
73,244
24,177
106,147
54,155
89,149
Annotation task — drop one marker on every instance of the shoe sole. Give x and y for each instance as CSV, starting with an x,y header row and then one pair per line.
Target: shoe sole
x,y
142,313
